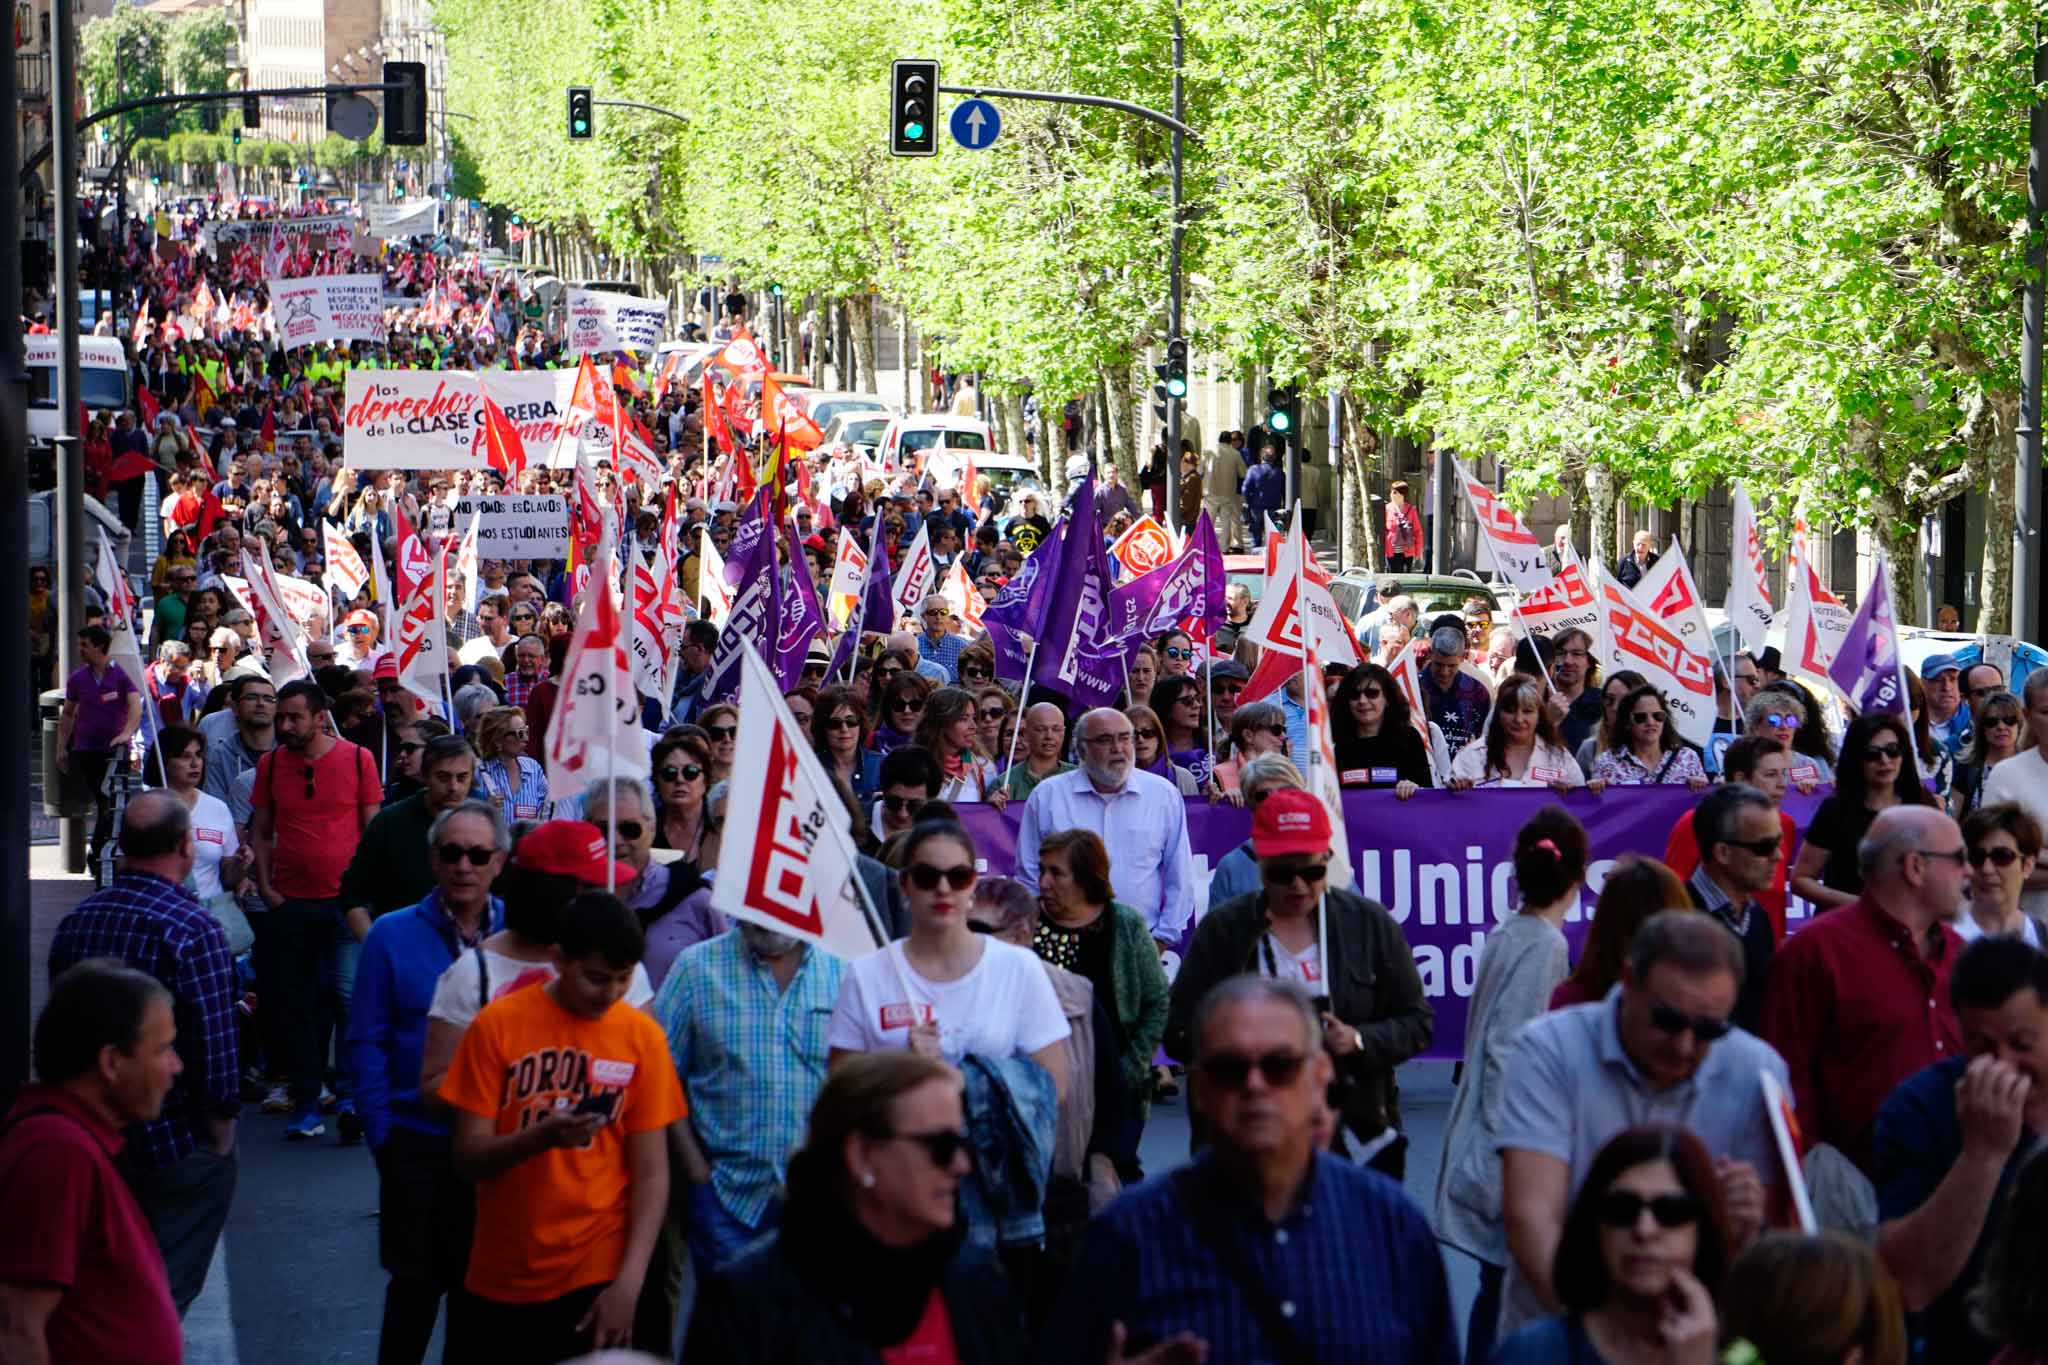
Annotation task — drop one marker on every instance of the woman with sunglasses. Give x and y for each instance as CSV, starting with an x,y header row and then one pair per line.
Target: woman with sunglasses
x,y
524,619
1148,738
1611,731
515,783
2004,843
1237,872
720,722
1996,723
945,991
682,777
949,730
1523,961
1813,753
1373,732
1640,1259
897,706
1177,701
1652,754
1176,654
1363,975
1521,746
557,626
867,1262
995,721
1259,727
978,665
1877,772
177,555
1083,928
839,738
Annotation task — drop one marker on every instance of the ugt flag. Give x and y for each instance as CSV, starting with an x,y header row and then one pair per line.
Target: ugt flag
x,y
1867,666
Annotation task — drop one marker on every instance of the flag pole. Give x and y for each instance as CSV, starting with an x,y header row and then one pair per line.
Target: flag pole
x,y
1024,697
1315,749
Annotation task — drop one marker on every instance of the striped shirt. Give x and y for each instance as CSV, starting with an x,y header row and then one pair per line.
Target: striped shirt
x,y
751,1057
524,797
157,927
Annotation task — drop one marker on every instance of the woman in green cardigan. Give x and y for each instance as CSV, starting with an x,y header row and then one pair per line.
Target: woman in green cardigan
x,y
1085,930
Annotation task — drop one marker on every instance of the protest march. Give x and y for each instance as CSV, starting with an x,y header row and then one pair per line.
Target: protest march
x,y
751,893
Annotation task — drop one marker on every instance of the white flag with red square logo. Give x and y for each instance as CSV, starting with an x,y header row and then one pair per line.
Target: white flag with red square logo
x,y
596,727
1516,551
1749,590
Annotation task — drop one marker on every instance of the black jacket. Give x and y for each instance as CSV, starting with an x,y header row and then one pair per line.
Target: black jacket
x,y
820,1291
1373,986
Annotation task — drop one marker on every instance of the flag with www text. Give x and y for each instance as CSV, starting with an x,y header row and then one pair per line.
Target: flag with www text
x,y
753,575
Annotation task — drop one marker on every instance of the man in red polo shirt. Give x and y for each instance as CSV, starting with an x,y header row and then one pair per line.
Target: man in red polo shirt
x,y
1858,999
81,1279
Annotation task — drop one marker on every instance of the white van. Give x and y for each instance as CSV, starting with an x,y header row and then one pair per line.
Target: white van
x,y
102,379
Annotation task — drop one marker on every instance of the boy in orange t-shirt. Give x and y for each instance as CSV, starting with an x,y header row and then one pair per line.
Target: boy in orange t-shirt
x,y
563,1093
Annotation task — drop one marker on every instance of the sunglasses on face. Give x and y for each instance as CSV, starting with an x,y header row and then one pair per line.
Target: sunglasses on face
x,y
1784,720
2003,722
925,877
974,673
901,805
721,732
842,723
1762,848
1624,1209
1647,718
629,830
1309,874
941,1146
410,747
688,772
479,856
1881,753
1233,1069
1172,652
359,630
1673,1021
992,713
906,704
1370,694
1997,857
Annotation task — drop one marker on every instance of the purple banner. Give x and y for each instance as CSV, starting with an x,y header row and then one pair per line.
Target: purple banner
x,y
1442,863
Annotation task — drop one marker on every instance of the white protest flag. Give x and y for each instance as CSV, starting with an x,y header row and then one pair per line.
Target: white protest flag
x,y
1322,777
961,596
277,635
596,726
849,571
1815,619
345,572
1749,593
1297,593
1409,680
1566,602
466,566
420,641
1668,590
791,867
1641,640
915,579
120,623
714,598
1515,549
647,641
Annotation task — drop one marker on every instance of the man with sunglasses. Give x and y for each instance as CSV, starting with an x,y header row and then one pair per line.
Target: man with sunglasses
x,y
1858,999
1265,1247
393,865
1661,1048
1739,842
908,778
425,1210
700,642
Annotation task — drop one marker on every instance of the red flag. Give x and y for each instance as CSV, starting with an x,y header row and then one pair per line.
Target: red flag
x,y
714,416
146,403
591,398
504,451
586,514
790,418
666,375
269,431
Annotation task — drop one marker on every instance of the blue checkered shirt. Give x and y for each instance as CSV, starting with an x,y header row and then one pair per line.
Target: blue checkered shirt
x,y
946,653
751,1058
156,926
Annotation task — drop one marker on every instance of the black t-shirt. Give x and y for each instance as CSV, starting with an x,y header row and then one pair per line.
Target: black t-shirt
x,y
1838,827
1393,755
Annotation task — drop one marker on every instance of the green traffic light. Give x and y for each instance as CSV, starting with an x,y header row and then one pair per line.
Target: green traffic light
x,y
914,131
1280,421
1177,386
582,126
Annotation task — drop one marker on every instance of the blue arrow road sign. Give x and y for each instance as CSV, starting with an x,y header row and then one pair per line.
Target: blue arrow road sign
x,y
975,124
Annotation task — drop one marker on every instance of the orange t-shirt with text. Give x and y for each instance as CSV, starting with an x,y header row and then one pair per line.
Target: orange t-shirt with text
x,y
557,1222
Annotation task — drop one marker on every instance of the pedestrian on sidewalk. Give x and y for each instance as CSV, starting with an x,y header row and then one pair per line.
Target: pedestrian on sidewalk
x,y
102,709
181,1165
313,797
81,1280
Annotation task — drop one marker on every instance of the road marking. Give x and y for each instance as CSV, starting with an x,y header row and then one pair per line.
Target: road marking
x,y
210,1322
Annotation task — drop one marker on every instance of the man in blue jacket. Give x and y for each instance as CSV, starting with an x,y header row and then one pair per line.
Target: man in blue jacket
x,y
425,1210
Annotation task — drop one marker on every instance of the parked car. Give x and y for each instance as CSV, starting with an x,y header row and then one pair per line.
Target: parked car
x,y
907,436
1357,593
822,406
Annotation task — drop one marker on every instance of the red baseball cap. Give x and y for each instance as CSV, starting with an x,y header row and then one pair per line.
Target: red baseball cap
x,y
385,667
1289,821
571,848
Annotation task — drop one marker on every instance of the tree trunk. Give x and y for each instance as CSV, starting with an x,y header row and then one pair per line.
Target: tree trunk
x,y
1009,411
1897,531
1994,587
1360,454
910,387
1120,441
1604,493
860,326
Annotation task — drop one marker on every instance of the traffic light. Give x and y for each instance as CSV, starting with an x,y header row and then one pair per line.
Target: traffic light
x,y
1282,409
405,110
252,112
238,134
1177,368
582,123
913,108
775,291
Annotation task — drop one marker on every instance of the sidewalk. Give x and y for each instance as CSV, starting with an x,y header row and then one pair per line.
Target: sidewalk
x,y
52,892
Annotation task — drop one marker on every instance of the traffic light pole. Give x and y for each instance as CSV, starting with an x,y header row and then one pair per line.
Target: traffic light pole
x,y
1174,401
635,104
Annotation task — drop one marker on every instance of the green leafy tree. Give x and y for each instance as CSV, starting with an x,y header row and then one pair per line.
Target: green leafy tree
x,y
123,56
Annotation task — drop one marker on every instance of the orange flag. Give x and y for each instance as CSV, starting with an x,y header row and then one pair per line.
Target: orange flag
x,y
779,412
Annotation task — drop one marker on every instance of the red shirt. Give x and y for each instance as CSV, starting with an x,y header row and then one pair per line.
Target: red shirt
x,y
316,834
1855,1007
73,1226
1682,855
930,1342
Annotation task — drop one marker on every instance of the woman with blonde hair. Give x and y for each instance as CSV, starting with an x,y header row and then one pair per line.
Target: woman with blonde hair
x,y
1824,1300
513,781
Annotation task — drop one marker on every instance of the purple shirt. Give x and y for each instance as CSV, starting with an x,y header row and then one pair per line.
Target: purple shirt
x,y
102,707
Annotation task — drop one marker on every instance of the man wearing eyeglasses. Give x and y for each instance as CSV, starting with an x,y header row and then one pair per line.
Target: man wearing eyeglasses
x,y
1139,817
1577,679
1739,843
393,865
1859,998
1661,1048
1045,740
935,645
1265,1247
425,1210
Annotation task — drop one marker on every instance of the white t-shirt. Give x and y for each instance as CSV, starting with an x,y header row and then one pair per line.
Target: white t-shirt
x,y
1305,967
456,996
1969,931
477,650
2023,778
213,838
1004,1007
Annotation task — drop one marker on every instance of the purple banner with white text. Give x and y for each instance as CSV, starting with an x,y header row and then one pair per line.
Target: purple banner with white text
x,y
1441,862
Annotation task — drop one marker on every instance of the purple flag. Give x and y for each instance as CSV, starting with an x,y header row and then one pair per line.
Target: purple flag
x,y
803,622
877,600
1160,599
751,571
1019,609
1076,662
1867,665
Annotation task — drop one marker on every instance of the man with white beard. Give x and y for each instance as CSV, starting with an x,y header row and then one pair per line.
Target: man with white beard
x,y
744,1013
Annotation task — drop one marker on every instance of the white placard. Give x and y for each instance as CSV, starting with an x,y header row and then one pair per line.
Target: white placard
x,y
518,526
328,308
429,419
406,218
598,321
